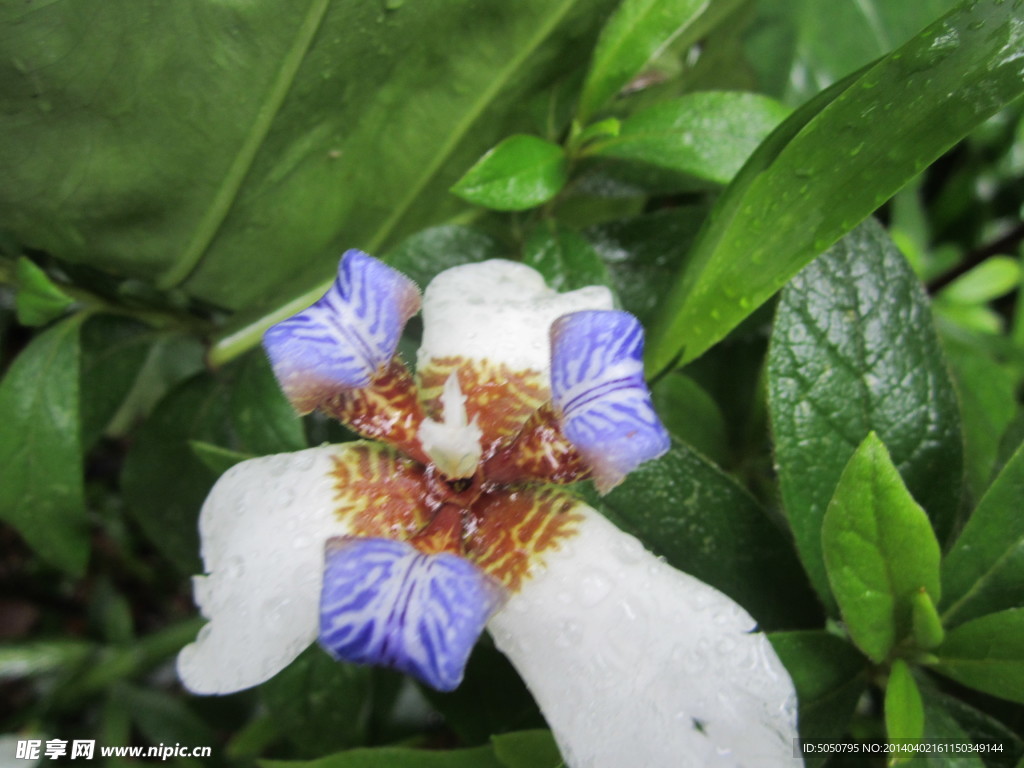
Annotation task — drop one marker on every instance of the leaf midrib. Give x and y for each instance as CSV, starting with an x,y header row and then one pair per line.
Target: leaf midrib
x,y
227,192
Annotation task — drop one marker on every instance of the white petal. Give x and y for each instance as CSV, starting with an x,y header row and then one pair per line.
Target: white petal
x,y
499,311
634,663
263,528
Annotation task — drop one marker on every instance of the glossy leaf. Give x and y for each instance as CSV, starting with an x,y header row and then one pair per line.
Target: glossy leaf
x,y
41,485
527,749
797,195
708,135
632,36
879,550
834,39
987,654
701,521
521,172
904,711
829,675
252,140
565,258
39,299
984,570
853,351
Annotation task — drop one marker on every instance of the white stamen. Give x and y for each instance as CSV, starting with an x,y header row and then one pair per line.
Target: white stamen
x,y
452,443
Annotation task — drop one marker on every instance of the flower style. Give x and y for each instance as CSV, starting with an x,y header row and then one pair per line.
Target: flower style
x,y
452,516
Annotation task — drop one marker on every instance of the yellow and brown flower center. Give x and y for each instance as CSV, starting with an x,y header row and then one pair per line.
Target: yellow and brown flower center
x,y
499,518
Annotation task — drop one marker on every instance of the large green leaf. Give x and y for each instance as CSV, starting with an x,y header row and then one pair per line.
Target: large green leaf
x,y
798,194
700,520
636,31
709,135
829,675
879,550
260,138
984,570
988,654
833,39
41,486
853,351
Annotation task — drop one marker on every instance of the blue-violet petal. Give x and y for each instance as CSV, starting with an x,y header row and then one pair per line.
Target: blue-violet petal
x,y
598,388
386,603
343,340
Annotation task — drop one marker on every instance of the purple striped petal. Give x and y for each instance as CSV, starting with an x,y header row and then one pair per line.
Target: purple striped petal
x,y
598,387
345,338
384,602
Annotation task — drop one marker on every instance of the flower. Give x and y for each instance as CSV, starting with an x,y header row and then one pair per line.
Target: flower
x,y
452,516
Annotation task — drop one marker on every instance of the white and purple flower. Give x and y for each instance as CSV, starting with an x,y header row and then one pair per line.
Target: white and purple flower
x,y
453,516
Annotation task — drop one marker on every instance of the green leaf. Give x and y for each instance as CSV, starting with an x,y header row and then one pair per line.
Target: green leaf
x,y
984,570
565,258
991,279
708,135
879,550
164,482
940,725
836,38
163,719
701,521
397,757
904,710
521,172
797,195
987,654
928,630
986,389
527,749
42,657
216,459
39,299
984,729
691,415
853,351
41,485
114,350
320,704
829,675
632,36
263,139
